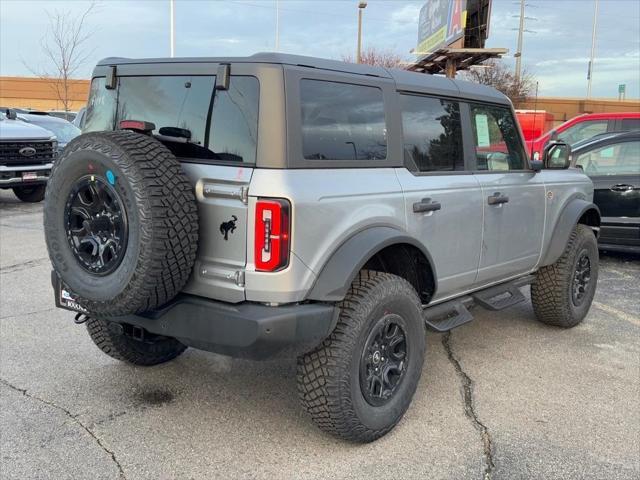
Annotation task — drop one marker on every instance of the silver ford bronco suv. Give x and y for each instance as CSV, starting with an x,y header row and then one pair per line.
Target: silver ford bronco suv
x,y
284,205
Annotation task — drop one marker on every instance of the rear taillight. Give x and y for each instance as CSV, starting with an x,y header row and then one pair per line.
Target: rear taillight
x,y
273,228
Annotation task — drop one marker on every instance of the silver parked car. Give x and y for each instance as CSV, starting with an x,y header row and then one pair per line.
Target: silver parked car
x,y
64,130
279,205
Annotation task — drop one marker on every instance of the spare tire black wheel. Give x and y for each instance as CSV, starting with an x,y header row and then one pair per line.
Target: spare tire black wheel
x,y
121,222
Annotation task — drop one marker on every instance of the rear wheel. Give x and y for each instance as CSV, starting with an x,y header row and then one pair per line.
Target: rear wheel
x,y
360,381
30,194
148,351
563,291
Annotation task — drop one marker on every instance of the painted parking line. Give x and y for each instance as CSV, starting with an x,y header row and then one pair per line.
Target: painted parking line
x,y
618,313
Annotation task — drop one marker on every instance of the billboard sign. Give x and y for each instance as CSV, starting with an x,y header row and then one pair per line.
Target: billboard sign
x,y
441,23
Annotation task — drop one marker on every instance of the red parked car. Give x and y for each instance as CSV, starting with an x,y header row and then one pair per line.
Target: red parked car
x,y
586,126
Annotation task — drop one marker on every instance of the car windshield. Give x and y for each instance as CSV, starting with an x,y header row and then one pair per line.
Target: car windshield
x,y
64,131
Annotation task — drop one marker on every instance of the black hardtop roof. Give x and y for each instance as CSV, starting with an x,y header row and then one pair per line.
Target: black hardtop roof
x,y
405,80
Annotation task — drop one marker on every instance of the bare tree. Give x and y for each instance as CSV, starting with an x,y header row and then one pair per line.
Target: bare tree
x,y
375,56
64,47
496,74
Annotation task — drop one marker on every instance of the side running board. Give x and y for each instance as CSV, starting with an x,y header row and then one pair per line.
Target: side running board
x,y
449,315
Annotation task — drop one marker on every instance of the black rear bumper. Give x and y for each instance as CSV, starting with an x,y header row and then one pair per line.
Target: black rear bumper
x,y
247,330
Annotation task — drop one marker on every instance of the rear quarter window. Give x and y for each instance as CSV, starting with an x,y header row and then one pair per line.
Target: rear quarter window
x,y
101,107
342,121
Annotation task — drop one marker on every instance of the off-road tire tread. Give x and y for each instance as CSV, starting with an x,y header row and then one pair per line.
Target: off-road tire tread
x,y
326,400
132,351
168,220
549,290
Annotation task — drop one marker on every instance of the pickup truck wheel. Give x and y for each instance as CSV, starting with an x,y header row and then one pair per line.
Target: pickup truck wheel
x,y
360,381
120,222
30,194
145,352
562,292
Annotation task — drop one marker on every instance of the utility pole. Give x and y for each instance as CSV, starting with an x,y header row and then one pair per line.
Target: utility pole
x,y
361,7
518,53
172,27
593,49
277,26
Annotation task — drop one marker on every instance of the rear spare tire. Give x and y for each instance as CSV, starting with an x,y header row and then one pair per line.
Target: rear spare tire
x,y
121,223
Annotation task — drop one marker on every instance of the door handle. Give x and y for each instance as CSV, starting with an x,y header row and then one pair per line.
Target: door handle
x,y
497,198
426,205
622,187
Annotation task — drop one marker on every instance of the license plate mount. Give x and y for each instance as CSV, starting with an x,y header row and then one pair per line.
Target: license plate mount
x,y
66,299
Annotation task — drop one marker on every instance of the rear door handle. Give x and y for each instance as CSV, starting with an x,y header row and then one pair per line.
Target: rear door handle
x,y
426,205
622,187
497,198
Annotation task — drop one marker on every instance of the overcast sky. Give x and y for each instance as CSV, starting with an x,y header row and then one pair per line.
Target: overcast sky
x,y
556,52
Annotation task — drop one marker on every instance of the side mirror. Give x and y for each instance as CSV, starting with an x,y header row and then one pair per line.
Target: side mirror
x,y
11,114
557,155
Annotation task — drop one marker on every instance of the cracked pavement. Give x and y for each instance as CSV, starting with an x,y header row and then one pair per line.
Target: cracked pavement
x,y
503,397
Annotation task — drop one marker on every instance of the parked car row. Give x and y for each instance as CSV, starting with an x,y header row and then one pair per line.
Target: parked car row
x,y
582,128
610,158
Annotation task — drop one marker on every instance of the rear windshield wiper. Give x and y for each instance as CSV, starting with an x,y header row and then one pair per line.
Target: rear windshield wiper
x,y
174,134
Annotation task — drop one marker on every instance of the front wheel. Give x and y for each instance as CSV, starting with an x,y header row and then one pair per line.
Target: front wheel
x,y
30,194
563,291
360,381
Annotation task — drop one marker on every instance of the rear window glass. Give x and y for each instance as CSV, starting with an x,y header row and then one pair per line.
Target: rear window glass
x,y
221,127
342,121
181,102
432,133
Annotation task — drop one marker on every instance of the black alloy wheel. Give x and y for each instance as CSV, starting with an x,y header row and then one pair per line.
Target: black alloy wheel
x,y
96,225
384,360
581,278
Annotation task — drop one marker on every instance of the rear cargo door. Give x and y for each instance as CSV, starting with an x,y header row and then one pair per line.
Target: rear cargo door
x,y
221,192
212,129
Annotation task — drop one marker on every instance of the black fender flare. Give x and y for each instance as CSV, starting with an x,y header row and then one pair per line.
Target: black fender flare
x,y
567,220
335,278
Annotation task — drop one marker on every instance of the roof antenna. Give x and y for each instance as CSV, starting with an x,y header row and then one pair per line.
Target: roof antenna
x,y
535,115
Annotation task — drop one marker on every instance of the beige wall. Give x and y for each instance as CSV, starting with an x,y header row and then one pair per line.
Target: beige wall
x,y
564,109
40,94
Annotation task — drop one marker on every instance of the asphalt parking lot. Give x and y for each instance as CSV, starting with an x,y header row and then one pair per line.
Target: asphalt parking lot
x,y
501,398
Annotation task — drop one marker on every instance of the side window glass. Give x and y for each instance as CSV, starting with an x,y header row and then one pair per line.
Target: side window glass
x,y
582,131
616,159
342,121
233,134
101,107
497,142
432,133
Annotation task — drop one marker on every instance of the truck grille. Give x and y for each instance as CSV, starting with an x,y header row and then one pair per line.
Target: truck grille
x,y
10,153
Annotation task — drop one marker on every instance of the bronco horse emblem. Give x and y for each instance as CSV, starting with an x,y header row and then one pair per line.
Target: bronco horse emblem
x,y
228,227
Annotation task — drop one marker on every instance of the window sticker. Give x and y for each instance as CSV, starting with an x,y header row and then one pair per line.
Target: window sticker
x,y
607,152
482,130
